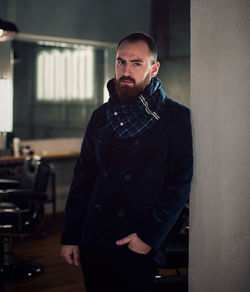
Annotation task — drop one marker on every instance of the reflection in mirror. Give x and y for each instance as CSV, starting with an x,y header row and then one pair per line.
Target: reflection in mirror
x,y
56,88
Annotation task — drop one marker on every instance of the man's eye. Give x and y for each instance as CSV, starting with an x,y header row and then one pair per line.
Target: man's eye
x,y
120,62
137,64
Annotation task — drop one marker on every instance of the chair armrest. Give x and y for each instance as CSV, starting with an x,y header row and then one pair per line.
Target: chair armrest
x,y
9,184
24,194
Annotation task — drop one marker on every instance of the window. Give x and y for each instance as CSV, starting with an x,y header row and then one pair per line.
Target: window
x,y
65,74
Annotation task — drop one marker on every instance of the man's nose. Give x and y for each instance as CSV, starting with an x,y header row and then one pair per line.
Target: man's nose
x,y
127,70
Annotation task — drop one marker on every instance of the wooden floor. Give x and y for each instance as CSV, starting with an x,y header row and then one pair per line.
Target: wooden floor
x,y
58,275
45,249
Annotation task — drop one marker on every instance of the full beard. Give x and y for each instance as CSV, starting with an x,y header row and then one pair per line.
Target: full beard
x,y
128,93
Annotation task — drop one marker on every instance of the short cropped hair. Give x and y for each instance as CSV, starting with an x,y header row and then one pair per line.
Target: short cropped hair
x,y
141,36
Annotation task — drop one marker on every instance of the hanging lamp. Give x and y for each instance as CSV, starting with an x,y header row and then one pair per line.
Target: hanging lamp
x,y
8,30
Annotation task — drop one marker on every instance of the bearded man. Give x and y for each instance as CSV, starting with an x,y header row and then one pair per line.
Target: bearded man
x,y
132,178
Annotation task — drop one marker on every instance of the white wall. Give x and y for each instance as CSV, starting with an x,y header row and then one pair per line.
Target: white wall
x,y
6,89
220,102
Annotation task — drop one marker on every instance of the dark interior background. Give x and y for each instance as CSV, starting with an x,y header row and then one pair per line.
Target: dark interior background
x,y
167,20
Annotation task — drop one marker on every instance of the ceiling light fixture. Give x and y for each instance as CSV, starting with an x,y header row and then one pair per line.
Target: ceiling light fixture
x,y
8,30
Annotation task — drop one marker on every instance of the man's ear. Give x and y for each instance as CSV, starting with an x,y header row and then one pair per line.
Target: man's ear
x,y
155,69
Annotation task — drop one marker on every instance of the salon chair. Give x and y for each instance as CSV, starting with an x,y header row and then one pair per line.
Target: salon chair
x,y
175,251
21,215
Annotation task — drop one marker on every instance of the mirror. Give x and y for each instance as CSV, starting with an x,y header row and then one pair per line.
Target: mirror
x,y
57,85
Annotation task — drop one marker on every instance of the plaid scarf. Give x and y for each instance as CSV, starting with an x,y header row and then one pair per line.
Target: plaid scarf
x,y
132,119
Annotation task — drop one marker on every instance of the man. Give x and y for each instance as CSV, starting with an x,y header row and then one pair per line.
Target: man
x,y
132,178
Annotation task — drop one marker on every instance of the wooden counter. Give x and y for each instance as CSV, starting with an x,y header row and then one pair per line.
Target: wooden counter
x,y
48,156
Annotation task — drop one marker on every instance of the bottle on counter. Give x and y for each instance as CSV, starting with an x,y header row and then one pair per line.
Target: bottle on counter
x,y
16,146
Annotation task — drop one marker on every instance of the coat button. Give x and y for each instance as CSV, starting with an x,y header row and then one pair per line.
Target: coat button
x,y
98,207
105,173
120,214
127,177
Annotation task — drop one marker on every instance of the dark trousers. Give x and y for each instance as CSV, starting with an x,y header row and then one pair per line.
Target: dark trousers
x,y
117,269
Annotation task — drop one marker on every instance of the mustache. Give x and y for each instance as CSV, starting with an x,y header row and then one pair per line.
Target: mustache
x,y
126,78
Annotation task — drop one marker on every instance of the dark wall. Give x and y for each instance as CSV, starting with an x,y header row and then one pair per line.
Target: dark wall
x,y
100,20
171,29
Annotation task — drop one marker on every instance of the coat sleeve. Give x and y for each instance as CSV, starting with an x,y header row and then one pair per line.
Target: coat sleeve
x,y
81,187
177,186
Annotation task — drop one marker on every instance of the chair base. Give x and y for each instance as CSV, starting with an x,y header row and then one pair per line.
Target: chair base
x,y
177,283
20,270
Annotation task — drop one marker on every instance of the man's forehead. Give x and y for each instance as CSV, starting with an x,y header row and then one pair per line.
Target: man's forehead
x,y
136,49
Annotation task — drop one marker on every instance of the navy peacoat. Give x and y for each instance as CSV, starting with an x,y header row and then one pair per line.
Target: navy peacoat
x,y
136,185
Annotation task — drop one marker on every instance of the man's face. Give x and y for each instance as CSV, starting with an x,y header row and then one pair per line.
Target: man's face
x,y
134,69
